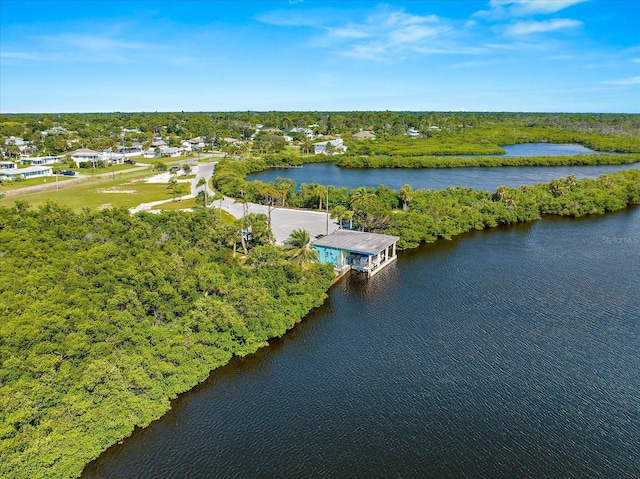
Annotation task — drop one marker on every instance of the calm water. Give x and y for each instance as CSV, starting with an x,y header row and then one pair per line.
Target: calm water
x,y
512,352
439,178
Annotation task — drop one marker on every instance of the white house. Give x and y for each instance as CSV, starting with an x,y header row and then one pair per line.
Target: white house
x,y
29,172
196,143
133,150
111,158
23,145
85,155
306,131
8,165
321,148
42,160
171,152
413,133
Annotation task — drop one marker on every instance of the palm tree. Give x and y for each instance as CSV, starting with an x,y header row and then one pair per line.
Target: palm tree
x,y
406,194
203,182
298,247
320,191
338,213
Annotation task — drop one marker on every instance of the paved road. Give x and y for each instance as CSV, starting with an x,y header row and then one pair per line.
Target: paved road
x,y
284,220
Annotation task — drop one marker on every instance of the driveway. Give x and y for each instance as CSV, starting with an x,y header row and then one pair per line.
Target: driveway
x,y
284,220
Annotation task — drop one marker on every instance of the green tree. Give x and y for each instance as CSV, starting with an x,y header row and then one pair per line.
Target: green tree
x,y
298,247
406,194
338,213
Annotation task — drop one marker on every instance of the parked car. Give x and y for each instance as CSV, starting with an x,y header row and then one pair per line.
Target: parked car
x,y
129,161
174,169
67,172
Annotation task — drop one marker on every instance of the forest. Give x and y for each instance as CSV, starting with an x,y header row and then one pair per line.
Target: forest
x,y
106,317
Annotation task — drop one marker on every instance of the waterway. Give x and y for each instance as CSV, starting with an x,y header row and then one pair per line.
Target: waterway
x,y
439,178
511,352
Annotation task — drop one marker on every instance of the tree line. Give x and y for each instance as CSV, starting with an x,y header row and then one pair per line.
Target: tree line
x,y
480,132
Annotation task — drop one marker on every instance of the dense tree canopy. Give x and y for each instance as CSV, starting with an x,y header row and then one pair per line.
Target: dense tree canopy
x,y
105,317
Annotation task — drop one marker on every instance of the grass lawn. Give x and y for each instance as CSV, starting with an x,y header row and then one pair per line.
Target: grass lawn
x,y
126,190
227,218
107,169
14,185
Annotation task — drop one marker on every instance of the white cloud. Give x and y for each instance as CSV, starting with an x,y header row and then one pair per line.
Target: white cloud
x,y
382,35
635,60
527,28
625,81
501,9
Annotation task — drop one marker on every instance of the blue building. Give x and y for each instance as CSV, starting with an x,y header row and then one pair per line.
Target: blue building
x,y
363,252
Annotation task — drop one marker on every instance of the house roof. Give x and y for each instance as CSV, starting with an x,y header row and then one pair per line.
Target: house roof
x,y
357,241
84,152
364,134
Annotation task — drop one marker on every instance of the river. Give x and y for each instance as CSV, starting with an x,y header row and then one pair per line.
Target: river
x,y
510,352
439,178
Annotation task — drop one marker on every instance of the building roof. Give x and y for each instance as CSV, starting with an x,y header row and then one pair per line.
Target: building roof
x,y
84,152
364,134
357,241
22,171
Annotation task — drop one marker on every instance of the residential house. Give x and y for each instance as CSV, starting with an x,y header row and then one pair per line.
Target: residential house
x,y
337,144
29,172
8,165
162,151
133,150
364,135
170,152
111,158
231,141
84,155
42,160
23,145
413,133
306,131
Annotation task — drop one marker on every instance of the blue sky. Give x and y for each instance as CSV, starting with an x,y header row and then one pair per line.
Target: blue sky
x,y
491,55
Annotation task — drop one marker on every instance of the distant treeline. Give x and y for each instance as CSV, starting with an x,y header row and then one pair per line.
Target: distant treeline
x,y
485,161
449,133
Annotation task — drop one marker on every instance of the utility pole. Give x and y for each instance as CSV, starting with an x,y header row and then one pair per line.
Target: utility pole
x,y
327,209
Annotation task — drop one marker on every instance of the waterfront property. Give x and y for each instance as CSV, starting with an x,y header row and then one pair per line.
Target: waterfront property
x,y
323,148
364,252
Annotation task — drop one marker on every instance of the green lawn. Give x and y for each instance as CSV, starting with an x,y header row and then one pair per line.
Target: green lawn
x,y
14,185
127,190
106,169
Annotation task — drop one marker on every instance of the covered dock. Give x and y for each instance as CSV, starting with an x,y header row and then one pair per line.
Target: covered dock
x,y
365,252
